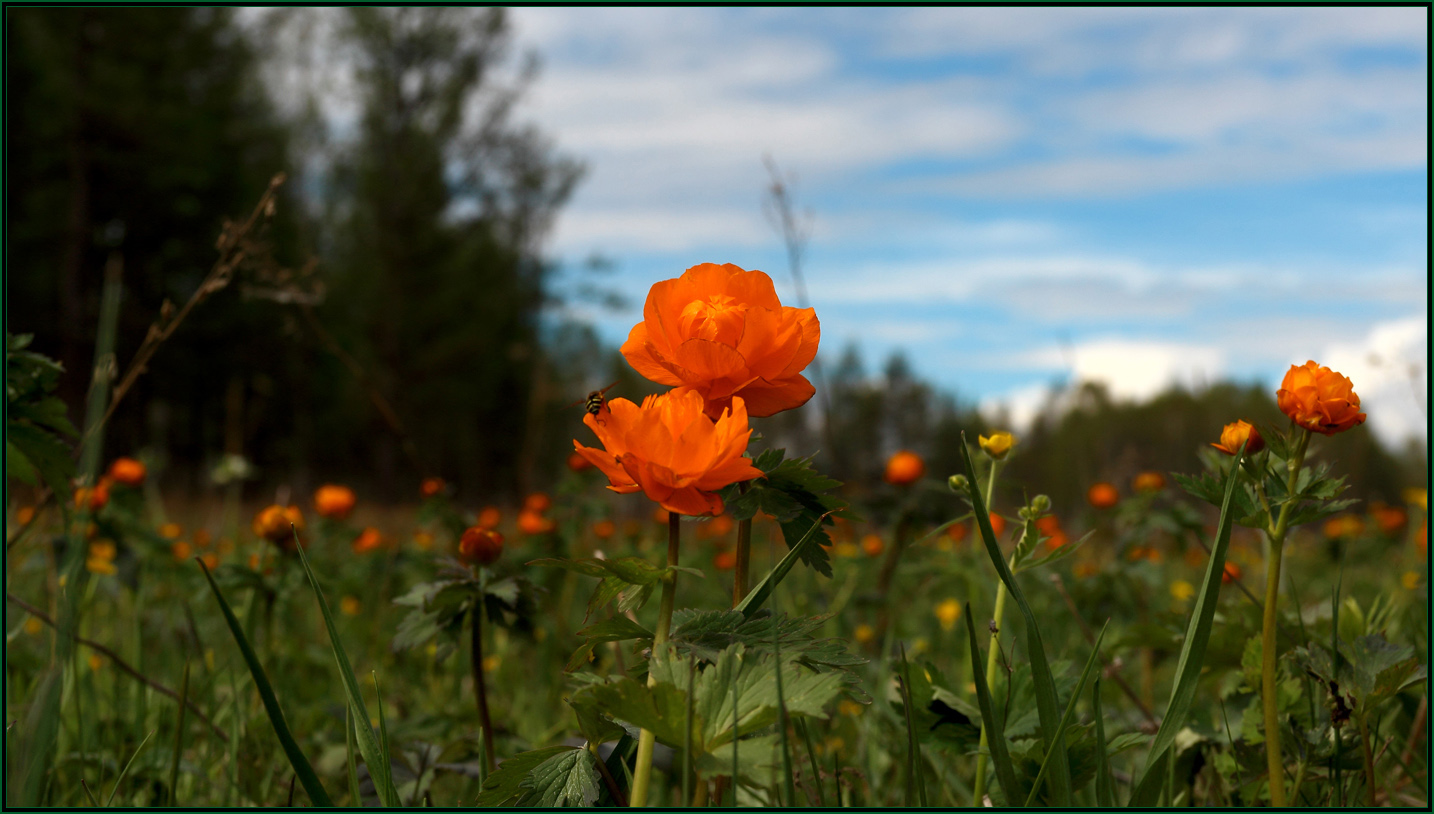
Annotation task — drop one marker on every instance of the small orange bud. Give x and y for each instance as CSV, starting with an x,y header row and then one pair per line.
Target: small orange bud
x,y
489,517
1389,519
905,467
349,606
530,522
873,545
368,540
431,486
480,545
578,463
127,471
725,560
333,501
1103,496
1055,541
1148,482
1235,434
603,529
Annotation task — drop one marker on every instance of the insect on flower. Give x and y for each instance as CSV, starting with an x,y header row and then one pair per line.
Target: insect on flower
x,y
594,403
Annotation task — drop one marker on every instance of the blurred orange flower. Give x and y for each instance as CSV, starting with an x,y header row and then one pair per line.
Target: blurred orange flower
x,y
211,561
202,537
725,560
171,531
873,545
489,517
723,332
431,486
1148,482
349,606
668,449
24,515
1344,525
904,467
660,515
273,524
530,522
127,471
1103,496
578,463
181,550
1319,399
957,532
334,501
480,546
93,498
603,529
1048,525
368,540
998,524
1235,434
720,526
423,539
1232,572
537,502
1389,519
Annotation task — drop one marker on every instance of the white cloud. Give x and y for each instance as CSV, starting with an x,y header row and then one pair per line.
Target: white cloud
x,y
1390,371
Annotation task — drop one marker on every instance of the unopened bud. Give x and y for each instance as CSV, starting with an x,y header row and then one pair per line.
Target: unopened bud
x,y
957,483
1041,504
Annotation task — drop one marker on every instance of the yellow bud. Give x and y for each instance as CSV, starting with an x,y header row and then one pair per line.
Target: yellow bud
x,y
998,445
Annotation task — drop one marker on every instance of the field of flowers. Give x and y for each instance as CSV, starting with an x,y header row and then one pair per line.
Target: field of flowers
x,y
726,629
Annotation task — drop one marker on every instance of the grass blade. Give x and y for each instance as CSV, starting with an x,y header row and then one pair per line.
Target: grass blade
x,y
1070,711
178,738
89,794
349,755
1045,685
914,775
995,730
735,720
1192,653
368,743
383,735
125,770
782,720
753,601
302,769
812,757
687,736
1104,782
1334,663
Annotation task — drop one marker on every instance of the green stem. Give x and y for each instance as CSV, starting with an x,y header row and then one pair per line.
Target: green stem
x,y
646,739
480,689
1368,762
1269,657
979,790
744,556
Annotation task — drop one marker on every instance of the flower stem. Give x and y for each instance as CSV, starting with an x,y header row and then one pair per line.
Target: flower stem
x,y
979,790
744,556
1269,657
480,690
646,739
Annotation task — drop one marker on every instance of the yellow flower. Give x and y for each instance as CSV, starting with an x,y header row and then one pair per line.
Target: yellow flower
x,y
948,612
96,661
1415,496
423,540
998,445
171,531
1411,580
1181,590
863,634
490,663
349,606
846,550
849,708
33,626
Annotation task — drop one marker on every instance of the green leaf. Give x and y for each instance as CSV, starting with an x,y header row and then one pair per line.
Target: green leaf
x,y
1104,781
125,770
18,466
1066,717
938,714
618,628
1055,556
589,567
595,728
1046,703
302,769
505,785
44,452
368,741
1192,653
756,757
566,779
753,601
995,736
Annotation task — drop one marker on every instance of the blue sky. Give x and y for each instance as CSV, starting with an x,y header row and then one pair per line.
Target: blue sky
x,y
1018,196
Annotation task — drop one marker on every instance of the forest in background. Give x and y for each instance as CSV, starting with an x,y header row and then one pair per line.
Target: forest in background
x,y
406,268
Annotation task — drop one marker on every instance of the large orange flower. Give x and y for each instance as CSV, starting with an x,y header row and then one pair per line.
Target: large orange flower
x,y
670,450
1319,399
722,331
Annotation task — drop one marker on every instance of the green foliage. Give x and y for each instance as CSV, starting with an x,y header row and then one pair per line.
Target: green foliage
x,y
440,606
35,419
797,495
705,634
1371,670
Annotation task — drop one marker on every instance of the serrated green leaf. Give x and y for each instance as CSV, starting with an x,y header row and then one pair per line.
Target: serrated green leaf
x,y
589,567
505,785
603,593
756,757
18,466
567,779
618,628
753,601
45,452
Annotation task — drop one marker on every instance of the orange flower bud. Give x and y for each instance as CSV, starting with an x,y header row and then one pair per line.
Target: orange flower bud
x,y
723,332
671,451
127,471
725,560
1235,434
530,522
277,524
335,502
1103,496
603,529
904,467
1060,538
431,486
1319,399
873,545
537,502
1148,482
481,546
368,540
578,463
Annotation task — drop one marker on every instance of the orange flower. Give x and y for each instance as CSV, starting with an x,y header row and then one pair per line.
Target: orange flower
x,y
660,515
998,524
668,449
720,526
1232,572
171,531
904,467
873,545
1057,540
1235,434
127,471
1319,399
367,541
1421,539
1048,525
537,502
603,529
334,502
725,560
94,498
489,518
534,523
181,550
1149,482
578,463
211,561
431,486
1103,496
24,515
273,524
423,539
1389,519
202,538
957,532
1344,525
480,546
722,331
